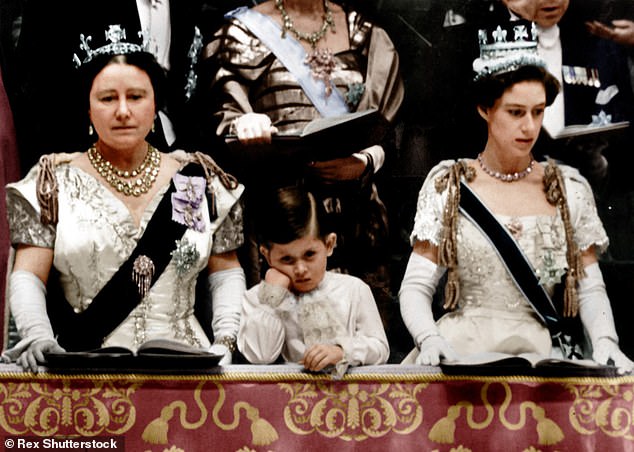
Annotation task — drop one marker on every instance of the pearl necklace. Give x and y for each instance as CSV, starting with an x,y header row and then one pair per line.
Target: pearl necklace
x,y
506,177
312,38
140,180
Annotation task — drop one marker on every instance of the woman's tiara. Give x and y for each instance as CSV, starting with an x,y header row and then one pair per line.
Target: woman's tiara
x,y
507,48
115,38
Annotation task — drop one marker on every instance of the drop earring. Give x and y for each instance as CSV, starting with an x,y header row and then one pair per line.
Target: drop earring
x,y
91,131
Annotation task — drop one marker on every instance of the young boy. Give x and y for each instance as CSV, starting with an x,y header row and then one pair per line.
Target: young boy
x,y
321,319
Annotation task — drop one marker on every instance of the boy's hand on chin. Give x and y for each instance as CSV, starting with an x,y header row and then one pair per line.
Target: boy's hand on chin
x,y
277,278
320,356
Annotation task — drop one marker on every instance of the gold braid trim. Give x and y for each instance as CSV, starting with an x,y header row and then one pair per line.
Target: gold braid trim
x,y
556,195
448,251
46,190
211,167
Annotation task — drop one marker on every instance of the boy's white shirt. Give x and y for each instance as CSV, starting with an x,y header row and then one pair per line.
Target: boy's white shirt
x,y
341,310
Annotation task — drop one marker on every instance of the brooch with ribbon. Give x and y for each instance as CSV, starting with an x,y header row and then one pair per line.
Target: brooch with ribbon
x,y
187,201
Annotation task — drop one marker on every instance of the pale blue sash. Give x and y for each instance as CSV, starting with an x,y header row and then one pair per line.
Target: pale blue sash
x,y
292,55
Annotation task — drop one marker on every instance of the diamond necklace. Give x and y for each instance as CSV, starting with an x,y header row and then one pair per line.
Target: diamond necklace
x,y
506,177
140,180
312,38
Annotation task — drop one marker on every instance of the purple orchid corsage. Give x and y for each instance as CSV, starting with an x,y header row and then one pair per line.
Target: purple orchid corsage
x,y
187,201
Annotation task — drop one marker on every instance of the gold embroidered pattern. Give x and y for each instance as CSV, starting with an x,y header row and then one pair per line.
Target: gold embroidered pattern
x,y
263,433
42,410
601,408
548,432
351,413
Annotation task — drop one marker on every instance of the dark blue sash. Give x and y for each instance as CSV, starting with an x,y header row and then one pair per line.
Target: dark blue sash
x,y
86,330
513,258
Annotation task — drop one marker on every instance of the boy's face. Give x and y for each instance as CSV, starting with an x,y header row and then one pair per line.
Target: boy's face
x,y
545,12
303,260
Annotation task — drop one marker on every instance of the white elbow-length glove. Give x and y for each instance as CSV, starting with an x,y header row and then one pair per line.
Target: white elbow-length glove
x,y
596,315
415,297
27,301
227,288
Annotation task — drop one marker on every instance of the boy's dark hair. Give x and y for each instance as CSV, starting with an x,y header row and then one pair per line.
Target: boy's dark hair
x,y
287,214
489,89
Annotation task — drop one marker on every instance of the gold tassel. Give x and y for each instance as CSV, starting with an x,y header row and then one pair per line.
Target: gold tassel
x,y
262,432
211,167
571,301
444,430
452,289
447,251
156,431
548,432
47,191
556,195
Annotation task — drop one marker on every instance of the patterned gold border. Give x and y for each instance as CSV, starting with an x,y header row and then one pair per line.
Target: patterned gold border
x,y
297,376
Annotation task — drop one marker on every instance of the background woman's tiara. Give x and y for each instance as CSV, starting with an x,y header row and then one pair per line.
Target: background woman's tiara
x,y
507,48
115,38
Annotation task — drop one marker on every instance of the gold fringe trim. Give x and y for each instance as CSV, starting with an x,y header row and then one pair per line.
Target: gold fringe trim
x,y
272,377
47,190
447,251
211,167
555,190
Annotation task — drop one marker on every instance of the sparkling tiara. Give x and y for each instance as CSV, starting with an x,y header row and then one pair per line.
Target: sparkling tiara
x,y
115,38
506,49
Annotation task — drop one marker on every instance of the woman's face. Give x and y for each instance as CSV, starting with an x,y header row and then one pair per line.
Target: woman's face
x,y
515,119
303,260
122,105
545,12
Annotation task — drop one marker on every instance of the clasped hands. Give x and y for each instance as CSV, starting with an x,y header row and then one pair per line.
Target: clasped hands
x,y
256,128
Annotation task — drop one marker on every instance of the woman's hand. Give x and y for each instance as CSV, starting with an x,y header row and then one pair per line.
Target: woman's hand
x,y
34,355
320,356
606,349
253,128
432,348
347,168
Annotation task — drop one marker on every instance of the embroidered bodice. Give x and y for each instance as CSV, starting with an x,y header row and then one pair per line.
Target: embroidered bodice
x,y
95,234
486,288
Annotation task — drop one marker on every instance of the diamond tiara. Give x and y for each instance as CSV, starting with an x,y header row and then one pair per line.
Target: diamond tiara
x,y
507,49
115,37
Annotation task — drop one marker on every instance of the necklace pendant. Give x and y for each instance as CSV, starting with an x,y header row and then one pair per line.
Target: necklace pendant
x,y
322,63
